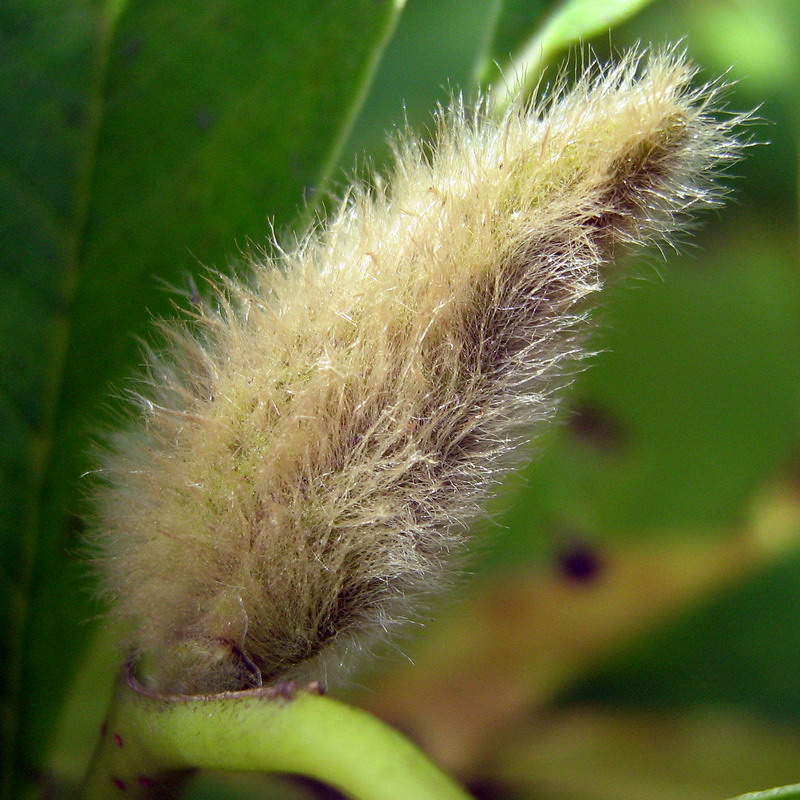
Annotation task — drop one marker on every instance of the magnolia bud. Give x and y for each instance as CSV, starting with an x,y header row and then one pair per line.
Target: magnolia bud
x,y
314,445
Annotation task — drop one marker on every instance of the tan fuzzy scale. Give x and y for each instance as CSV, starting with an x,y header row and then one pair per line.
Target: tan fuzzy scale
x,y
313,447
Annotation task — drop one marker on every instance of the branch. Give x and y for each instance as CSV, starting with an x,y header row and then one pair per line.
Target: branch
x,y
151,744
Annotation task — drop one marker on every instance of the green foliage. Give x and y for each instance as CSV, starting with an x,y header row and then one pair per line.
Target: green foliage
x,y
143,141
568,22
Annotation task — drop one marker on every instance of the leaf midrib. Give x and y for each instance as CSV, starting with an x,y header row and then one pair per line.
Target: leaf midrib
x,y
42,441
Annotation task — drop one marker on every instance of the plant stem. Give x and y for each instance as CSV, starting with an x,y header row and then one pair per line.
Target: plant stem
x,y
151,744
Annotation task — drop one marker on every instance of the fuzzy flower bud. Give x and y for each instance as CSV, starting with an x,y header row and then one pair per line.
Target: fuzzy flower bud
x,y
312,448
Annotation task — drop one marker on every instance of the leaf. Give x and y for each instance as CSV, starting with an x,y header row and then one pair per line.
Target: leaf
x,y
698,754
570,22
431,56
782,793
514,22
760,41
529,634
144,139
671,426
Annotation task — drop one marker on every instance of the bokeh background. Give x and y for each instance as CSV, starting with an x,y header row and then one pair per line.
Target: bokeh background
x,y
631,625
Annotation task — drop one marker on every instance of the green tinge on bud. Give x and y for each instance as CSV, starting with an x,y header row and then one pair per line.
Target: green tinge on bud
x,y
313,447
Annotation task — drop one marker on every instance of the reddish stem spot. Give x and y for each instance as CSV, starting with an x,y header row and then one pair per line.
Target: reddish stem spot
x,y
286,690
118,740
119,783
104,728
148,783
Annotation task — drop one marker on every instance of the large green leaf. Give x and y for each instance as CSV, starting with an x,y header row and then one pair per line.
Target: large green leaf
x,y
140,140
570,22
431,56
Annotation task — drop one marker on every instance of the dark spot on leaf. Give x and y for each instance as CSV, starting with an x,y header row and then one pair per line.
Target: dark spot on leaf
x,y
131,47
146,782
104,728
595,425
74,114
299,168
118,740
120,784
204,119
579,562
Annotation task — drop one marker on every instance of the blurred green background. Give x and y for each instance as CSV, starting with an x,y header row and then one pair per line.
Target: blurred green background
x,y
631,626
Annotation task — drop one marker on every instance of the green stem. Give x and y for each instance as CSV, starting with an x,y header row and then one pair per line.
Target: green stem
x,y
151,744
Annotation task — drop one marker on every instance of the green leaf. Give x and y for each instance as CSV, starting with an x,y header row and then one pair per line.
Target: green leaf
x,y
559,629
701,753
671,425
431,56
783,793
572,21
514,23
140,140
